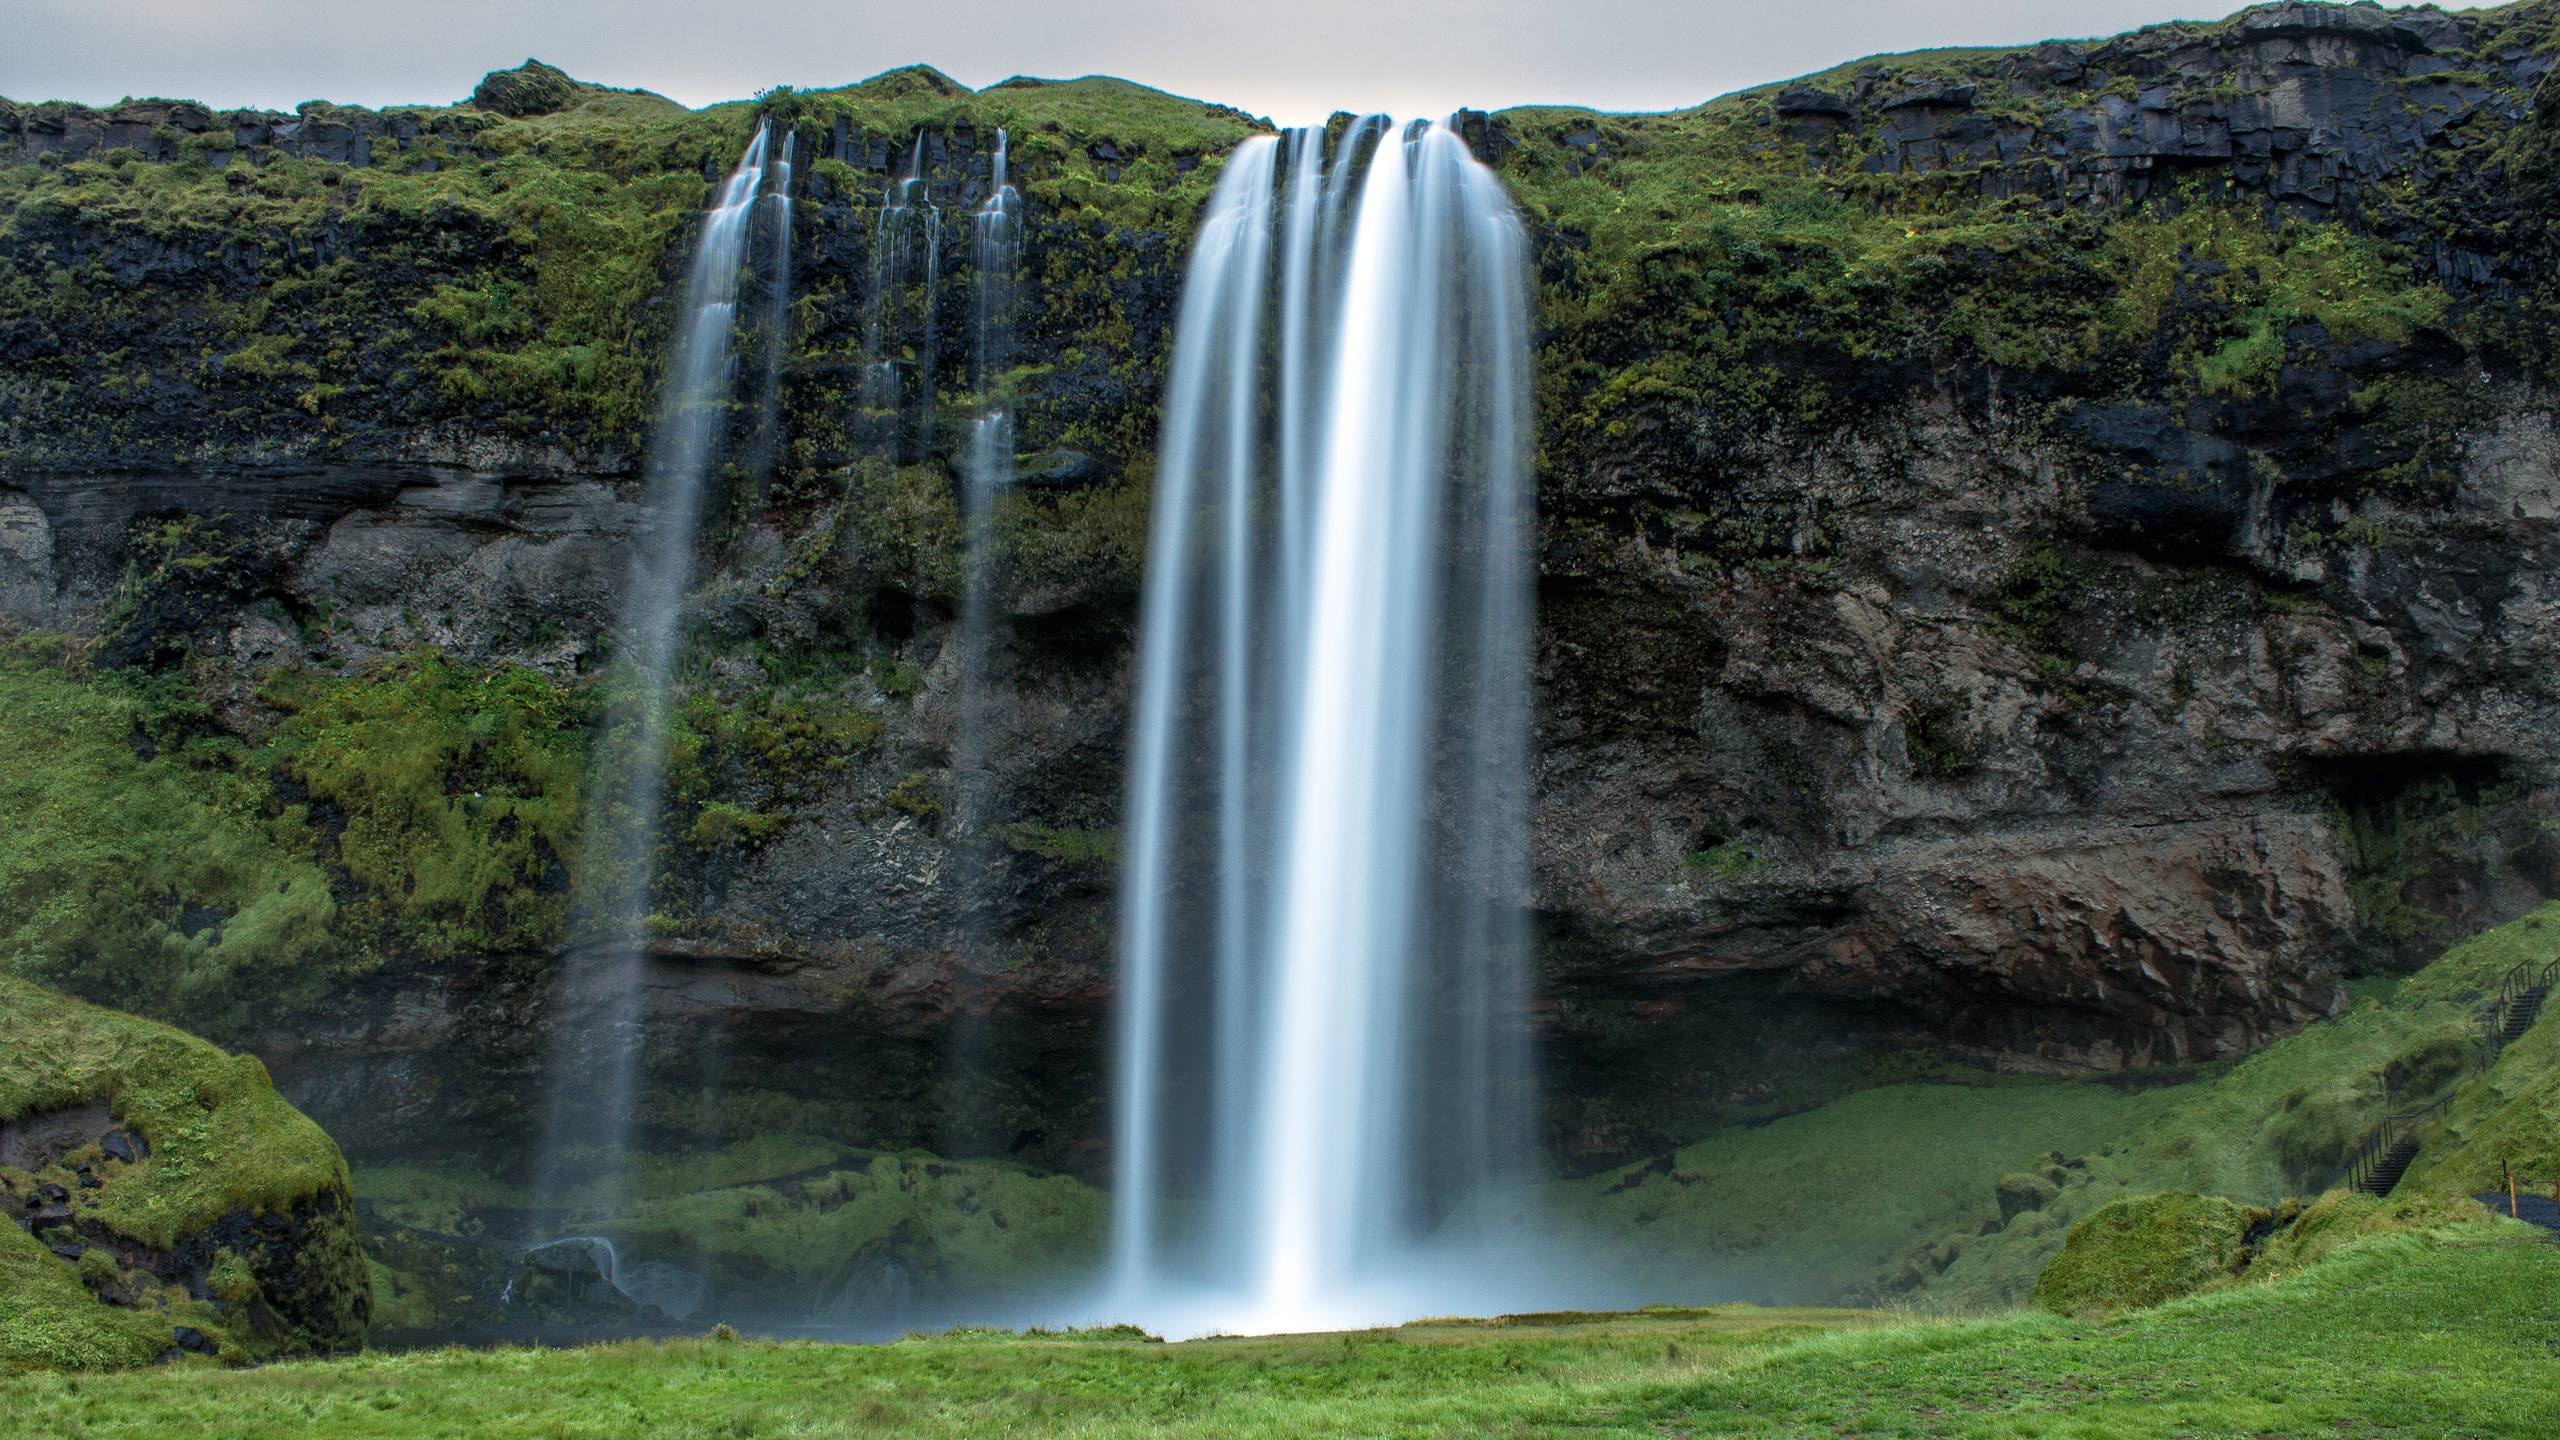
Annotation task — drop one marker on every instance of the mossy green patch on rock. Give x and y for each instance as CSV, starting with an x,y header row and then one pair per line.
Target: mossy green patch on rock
x,y
449,794
52,1319
200,1176
137,867
1959,1196
2134,1253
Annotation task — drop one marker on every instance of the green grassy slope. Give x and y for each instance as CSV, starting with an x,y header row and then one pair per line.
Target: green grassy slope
x,y
2408,1335
1898,1190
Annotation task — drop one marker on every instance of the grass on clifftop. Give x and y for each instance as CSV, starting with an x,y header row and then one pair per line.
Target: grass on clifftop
x,y
2406,1335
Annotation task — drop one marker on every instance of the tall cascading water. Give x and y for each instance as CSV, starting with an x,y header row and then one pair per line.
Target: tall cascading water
x,y
765,448
1324,1074
595,1067
902,313
986,474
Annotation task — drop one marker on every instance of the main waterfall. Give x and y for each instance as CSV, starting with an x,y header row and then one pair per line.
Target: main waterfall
x,y
1323,1071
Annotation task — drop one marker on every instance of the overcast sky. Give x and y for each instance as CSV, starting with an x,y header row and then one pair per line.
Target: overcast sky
x,y
1292,60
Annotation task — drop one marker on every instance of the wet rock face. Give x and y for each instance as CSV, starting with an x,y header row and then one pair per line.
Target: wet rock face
x,y
2308,104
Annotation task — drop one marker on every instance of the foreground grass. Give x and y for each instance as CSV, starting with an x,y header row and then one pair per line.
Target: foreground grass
x,y
2404,1335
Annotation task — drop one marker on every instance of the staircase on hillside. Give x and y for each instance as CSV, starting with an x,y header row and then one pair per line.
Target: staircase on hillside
x,y
2508,1014
2389,1165
2389,1148
2520,1013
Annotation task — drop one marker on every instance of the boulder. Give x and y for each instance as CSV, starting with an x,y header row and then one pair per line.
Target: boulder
x,y
532,88
215,1202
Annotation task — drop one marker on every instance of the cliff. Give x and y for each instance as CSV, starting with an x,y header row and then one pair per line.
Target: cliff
x,y
2045,559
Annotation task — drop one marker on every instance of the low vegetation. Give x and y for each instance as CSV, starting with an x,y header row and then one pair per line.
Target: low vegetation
x,y
196,1198
208,869
2405,1334
1958,1196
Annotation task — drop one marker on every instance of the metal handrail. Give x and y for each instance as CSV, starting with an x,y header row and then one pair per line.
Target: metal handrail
x,y
2523,979
2385,1133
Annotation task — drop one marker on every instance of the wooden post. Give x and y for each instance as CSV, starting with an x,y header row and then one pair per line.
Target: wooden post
x,y
2511,1190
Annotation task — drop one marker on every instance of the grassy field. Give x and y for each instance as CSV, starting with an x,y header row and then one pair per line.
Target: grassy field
x,y
2452,1333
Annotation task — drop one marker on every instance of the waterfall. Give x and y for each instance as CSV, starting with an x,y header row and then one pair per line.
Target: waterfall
x,y
906,256
776,323
986,474
1322,1065
595,1069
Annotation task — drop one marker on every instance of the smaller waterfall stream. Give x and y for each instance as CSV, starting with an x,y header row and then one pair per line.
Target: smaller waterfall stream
x,y
902,326
595,1068
986,474
766,447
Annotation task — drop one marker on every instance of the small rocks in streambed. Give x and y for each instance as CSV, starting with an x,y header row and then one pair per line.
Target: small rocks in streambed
x,y
583,1279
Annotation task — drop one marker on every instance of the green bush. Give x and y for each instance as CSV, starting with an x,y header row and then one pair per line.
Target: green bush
x,y
2141,1252
2020,1193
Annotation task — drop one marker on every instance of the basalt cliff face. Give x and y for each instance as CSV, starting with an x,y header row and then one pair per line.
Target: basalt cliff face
x,y
2046,559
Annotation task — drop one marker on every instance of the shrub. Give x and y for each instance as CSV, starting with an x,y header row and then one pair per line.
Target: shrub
x,y
2144,1251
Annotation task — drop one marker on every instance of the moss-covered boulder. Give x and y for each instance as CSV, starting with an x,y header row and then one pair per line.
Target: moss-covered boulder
x,y
531,88
158,1199
2145,1251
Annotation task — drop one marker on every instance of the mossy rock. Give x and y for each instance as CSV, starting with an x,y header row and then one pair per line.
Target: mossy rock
x,y
2145,1251
532,88
2342,1217
2021,1193
164,1199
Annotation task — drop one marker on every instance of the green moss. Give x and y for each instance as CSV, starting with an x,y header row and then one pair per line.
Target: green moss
x,y
1063,843
1912,1163
2344,1217
49,1320
450,794
2135,1253
138,867
222,1144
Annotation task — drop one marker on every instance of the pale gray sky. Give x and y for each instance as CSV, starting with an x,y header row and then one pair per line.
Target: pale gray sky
x,y
1293,60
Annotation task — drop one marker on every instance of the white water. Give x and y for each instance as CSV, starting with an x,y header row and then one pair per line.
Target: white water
x,y
978,795
902,316
595,1067
986,474
1322,1064
776,322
